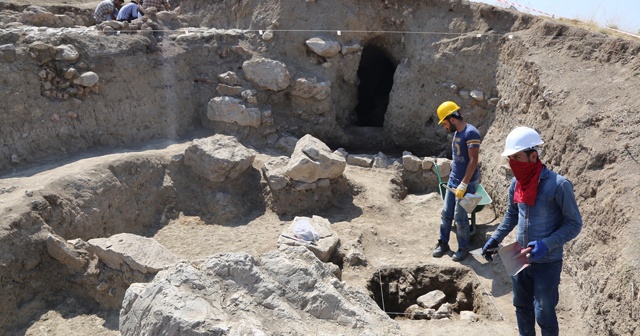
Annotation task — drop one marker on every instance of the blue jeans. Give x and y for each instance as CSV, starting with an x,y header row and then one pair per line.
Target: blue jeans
x,y
452,210
535,296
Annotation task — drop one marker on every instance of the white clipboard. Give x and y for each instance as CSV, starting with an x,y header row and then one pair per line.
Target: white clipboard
x,y
513,259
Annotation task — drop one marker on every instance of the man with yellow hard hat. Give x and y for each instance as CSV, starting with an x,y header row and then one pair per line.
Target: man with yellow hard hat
x,y
464,178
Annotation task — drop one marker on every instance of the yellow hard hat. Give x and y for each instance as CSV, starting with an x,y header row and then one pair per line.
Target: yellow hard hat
x,y
445,109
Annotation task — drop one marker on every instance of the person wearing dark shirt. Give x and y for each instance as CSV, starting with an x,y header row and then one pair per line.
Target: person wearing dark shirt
x,y
464,178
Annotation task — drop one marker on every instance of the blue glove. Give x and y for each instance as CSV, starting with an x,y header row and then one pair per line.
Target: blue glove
x,y
489,249
539,250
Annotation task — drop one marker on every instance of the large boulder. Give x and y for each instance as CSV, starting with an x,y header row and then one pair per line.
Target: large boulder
x,y
326,244
218,157
411,162
267,74
310,88
67,53
232,110
139,253
169,19
66,253
275,172
39,16
313,160
432,299
237,294
324,47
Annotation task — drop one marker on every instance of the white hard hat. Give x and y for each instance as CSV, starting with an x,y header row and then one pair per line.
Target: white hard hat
x,y
520,139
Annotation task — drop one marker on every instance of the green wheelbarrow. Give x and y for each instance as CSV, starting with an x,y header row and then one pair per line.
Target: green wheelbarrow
x,y
485,200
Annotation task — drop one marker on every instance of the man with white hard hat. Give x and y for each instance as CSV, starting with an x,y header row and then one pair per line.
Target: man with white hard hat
x,y
464,178
543,206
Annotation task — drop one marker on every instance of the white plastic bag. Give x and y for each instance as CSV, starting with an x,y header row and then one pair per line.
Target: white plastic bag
x,y
303,229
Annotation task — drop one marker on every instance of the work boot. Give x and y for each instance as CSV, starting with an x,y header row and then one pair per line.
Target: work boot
x,y
460,255
441,249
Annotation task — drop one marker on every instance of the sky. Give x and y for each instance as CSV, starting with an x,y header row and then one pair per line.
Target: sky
x,y
623,14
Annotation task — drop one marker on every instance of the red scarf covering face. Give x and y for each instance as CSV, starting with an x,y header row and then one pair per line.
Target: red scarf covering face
x,y
527,175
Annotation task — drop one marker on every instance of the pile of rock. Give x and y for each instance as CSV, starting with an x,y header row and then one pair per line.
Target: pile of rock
x,y
433,306
41,17
106,267
62,76
237,294
307,181
421,174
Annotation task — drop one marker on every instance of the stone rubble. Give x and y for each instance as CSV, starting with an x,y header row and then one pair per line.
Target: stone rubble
x,y
237,294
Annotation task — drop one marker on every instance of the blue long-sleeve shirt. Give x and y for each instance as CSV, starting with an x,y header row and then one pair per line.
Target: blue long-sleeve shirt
x,y
554,218
128,12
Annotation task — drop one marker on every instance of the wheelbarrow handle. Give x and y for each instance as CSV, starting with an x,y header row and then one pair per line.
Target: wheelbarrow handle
x,y
450,189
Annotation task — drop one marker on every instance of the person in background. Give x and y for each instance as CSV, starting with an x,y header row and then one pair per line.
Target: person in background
x,y
464,178
157,4
107,10
543,207
130,11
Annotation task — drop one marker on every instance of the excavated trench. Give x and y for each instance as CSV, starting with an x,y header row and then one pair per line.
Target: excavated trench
x,y
139,195
142,194
382,93
397,292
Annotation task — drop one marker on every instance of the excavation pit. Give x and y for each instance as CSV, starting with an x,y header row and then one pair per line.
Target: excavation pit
x,y
431,292
219,74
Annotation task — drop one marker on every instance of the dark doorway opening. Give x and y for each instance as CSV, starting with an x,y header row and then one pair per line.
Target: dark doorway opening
x,y
376,80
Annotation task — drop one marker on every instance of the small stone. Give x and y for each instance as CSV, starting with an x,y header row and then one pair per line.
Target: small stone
x,y
87,79
477,95
69,74
267,35
229,78
468,315
432,299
